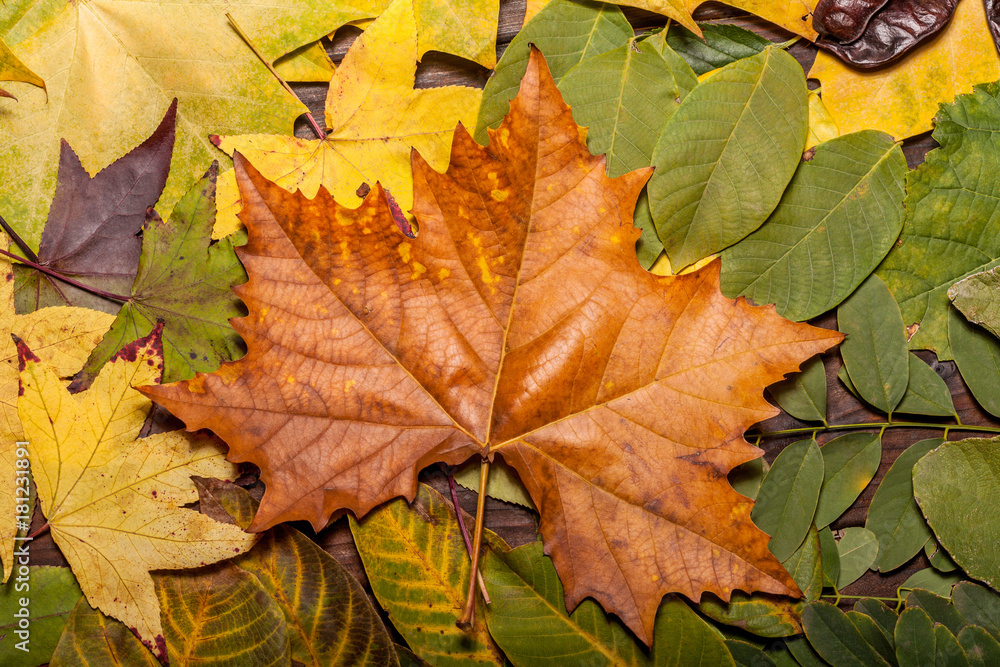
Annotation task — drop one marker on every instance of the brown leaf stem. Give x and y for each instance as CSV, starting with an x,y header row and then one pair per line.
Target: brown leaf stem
x,y
25,248
312,121
468,617
465,533
58,276
41,529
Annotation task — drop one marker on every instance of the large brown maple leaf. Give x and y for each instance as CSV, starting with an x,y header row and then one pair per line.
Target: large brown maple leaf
x,y
518,322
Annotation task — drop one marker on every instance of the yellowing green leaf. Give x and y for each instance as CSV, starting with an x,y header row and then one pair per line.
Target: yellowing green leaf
x,y
91,638
793,15
12,69
375,118
822,126
309,63
901,99
113,502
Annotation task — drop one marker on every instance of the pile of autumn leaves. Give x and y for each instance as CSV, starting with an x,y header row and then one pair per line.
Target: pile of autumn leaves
x,y
517,322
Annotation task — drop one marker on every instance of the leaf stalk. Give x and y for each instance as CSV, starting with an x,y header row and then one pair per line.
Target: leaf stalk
x,y
465,532
66,279
468,618
814,430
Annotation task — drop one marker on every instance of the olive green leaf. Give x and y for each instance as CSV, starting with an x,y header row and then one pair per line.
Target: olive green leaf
x,y
931,580
417,553
747,655
727,154
831,557
649,247
186,281
952,228
978,297
914,639
803,652
836,638
220,615
980,648
954,485
893,515
685,639
788,496
977,355
806,566
53,592
849,463
856,552
938,557
978,605
947,650
926,393
503,483
940,609
874,351
747,477
566,32
874,635
720,44
91,638
761,614
884,617
803,395
838,218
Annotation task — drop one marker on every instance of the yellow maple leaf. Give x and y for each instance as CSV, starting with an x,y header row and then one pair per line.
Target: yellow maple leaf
x,y
113,502
902,99
375,119
65,336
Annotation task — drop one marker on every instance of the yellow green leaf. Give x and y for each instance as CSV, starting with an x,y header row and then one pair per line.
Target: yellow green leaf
x,y
375,118
91,638
309,63
901,99
793,15
12,69
822,126
113,502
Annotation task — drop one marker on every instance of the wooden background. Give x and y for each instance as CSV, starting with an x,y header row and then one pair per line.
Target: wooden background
x,y
517,525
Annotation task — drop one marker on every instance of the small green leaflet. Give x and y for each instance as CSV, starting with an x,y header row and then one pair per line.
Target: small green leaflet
x,y
803,395
849,463
836,638
722,44
788,496
977,355
857,550
978,297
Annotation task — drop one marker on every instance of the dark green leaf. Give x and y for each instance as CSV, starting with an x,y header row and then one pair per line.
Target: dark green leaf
x,y
649,247
91,638
893,514
956,487
947,651
883,616
849,463
52,593
938,557
806,566
726,155
804,653
831,557
979,606
977,355
981,649
940,609
978,297
722,43
838,218
874,351
836,639
747,477
926,393
566,32
788,495
931,580
874,635
857,550
915,642
747,655
681,638
803,395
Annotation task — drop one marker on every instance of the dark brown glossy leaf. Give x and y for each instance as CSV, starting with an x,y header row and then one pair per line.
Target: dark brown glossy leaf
x,y
899,27
91,231
844,20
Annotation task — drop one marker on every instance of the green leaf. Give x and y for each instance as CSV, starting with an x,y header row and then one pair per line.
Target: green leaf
x,y
849,463
649,247
978,605
836,639
727,154
881,615
803,395
185,280
931,580
846,380
940,609
788,496
926,393
220,615
857,550
874,351
52,592
624,98
806,566
408,658
874,635
502,484
838,218
747,477
915,641
981,649
566,32
328,616
956,488
947,650
951,230
938,557
761,614
978,297
91,638
804,653
417,553
681,638
893,514
720,44
977,355
831,557
747,655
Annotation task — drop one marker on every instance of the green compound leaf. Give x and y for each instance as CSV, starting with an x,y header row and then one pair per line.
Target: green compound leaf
x,y
625,97
849,463
566,32
838,218
52,593
803,395
330,622
788,496
91,638
856,551
836,638
978,297
914,639
977,355
722,43
186,281
926,393
981,649
727,154
978,605
416,553
956,488
952,229
893,515
874,351
220,615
